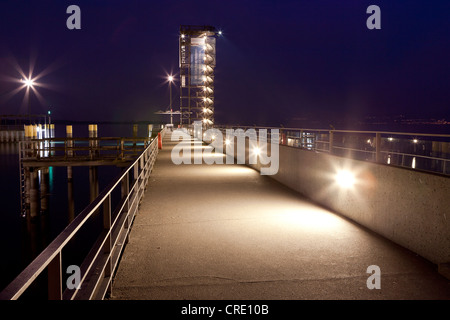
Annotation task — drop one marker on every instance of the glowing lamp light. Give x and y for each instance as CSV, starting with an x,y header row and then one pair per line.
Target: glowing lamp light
x,y
28,82
256,151
227,142
345,179
170,78
220,33
415,140
390,139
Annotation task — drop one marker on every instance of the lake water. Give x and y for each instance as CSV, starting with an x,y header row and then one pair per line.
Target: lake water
x,y
22,240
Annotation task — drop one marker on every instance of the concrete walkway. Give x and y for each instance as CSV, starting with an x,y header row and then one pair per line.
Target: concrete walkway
x,y
226,232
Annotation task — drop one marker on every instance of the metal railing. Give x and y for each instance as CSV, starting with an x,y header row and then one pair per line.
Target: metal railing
x,y
420,151
109,218
73,149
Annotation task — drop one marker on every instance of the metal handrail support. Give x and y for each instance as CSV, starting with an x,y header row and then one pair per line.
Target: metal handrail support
x,y
378,147
102,260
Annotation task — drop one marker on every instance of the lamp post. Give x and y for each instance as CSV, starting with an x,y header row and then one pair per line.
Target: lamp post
x,y
170,94
29,84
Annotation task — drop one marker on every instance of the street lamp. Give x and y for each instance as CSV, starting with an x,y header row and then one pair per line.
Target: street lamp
x,y
29,84
170,78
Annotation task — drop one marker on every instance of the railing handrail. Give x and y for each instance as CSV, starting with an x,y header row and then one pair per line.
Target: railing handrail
x,y
343,131
290,137
90,139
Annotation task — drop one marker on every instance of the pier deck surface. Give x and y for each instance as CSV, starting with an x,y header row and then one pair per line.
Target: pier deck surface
x,y
226,232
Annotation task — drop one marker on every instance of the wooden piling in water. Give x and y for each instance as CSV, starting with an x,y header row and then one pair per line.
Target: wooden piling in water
x,y
43,189
69,152
33,177
93,182
93,172
135,134
26,171
70,200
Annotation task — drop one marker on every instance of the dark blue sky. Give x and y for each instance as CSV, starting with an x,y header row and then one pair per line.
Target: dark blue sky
x,y
278,61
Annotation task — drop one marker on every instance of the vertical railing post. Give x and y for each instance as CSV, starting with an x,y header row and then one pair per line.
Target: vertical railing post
x,y
108,243
136,171
378,147
121,149
54,270
125,189
331,140
301,138
143,168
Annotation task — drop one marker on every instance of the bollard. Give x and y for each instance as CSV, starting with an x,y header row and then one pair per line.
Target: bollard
x,y
159,140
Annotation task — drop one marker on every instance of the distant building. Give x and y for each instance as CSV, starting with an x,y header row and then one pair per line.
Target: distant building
x,y
197,63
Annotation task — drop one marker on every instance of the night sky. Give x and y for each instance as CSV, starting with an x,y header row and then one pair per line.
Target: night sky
x,y
278,62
